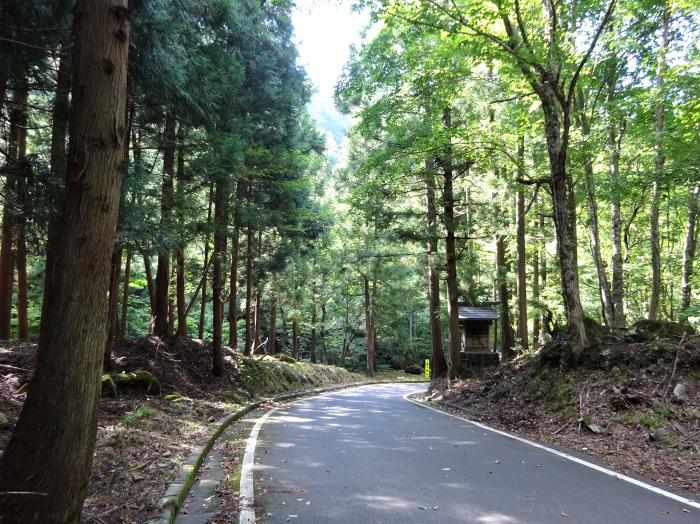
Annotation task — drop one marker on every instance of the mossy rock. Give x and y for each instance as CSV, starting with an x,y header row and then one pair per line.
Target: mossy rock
x,y
414,369
109,388
285,358
594,330
139,382
651,329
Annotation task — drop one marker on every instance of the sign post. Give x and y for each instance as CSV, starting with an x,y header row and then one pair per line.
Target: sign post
x,y
427,368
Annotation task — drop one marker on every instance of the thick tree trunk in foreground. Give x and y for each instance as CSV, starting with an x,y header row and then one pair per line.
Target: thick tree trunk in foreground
x,y
439,366
564,207
162,326
520,248
507,339
451,252
221,196
60,114
46,464
659,169
689,246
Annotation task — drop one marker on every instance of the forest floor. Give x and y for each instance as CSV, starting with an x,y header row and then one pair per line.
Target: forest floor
x,y
143,439
633,404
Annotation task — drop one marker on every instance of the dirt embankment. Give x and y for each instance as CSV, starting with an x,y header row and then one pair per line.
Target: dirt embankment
x,y
146,431
633,402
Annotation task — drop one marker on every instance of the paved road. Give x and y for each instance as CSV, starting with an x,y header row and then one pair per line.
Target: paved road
x,y
368,456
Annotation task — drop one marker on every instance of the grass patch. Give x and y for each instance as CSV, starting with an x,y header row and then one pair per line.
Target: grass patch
x,y
141,411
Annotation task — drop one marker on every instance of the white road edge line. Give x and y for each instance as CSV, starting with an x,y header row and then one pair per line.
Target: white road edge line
x,y
247,489
572,458
247,486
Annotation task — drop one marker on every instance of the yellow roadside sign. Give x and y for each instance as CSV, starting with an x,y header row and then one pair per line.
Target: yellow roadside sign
x,y
427,368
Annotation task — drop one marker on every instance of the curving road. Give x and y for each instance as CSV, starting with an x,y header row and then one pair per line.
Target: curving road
x,y
367,455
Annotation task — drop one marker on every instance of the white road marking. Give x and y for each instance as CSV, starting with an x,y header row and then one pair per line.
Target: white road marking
x,y
572,458
247,490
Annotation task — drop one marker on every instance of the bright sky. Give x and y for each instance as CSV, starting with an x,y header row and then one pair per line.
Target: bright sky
x,y
325,29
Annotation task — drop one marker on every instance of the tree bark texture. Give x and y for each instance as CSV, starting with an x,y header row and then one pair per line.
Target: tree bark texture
x,y
439,365
125,296
22,172
221,197
520,248
248,291
60,114
369,328
604,290
113,305
203,300
272,336
47,462
659,163
564,207
162,325
451,251
507,339
689,246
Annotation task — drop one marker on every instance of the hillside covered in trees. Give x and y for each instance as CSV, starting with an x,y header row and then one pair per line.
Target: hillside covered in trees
x,y
163,181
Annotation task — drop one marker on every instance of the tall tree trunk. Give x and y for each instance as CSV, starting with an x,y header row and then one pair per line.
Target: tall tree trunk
x,y
520,248
659,167
369,329
272,337
536,324
58,159
616,129
295,339
233,295
10,207
439,366
150,284
113,305
503,295
248,291
564,207
221,198
604,290
180,299
258,322
543,278
125,296
451,251
22,171
322,334
312,340
689,246
162,326
46,464
203,300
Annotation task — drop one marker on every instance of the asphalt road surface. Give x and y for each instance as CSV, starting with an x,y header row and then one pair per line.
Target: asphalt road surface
x,y
367,455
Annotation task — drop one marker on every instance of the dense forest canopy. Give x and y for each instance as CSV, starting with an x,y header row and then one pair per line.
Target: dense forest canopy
x,y
540,158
